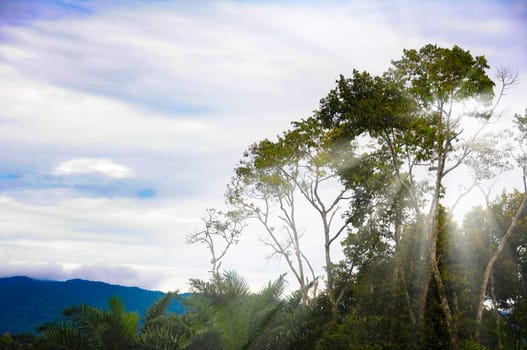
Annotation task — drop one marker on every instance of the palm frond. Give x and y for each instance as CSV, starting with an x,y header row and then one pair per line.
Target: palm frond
x,y
63,335
274,290
88,321
234,285
260,324
158,308
116,305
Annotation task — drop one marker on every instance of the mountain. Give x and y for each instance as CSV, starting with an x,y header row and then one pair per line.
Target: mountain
x,y
26,303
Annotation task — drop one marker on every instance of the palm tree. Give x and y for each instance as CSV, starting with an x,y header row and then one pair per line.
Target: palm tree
x,y
227,316
63,335
162,331
221,315
87,327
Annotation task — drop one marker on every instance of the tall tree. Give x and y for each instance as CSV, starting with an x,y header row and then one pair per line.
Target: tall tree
x,y
261,191
521,140
220,232
521,122
416,111
496,258
441,80
300,168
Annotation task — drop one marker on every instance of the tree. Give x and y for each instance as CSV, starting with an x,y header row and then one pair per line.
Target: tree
x,y
221,231
225,315
521,156
274,179
415,112
438,79
521,123
493,241
262,191
162,331
87,327
521,212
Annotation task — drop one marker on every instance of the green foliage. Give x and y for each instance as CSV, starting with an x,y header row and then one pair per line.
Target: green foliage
x,y
89,327
375,319
22,341
484,229
226,309
438,74
162,331
364,103
158,308
471,345
65,334
165,332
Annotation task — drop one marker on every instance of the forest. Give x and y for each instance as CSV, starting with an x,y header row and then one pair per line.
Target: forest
x,y
383,165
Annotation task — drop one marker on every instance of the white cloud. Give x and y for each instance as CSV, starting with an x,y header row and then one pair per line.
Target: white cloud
x,y
40,113
104,167
137,243
128,275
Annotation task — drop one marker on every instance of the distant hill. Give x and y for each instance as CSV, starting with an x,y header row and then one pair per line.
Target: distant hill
x,y
26,303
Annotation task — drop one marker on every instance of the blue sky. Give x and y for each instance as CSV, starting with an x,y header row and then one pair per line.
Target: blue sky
x,y
121,121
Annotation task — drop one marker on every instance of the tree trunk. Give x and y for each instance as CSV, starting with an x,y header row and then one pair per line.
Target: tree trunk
x,y
432,271
494,258
496,312
399,274
332,293
330,283
445,307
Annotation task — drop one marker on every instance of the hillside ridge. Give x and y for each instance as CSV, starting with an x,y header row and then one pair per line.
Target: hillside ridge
x,y
26,303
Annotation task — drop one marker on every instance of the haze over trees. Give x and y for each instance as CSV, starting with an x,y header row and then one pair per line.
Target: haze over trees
x,y
372,165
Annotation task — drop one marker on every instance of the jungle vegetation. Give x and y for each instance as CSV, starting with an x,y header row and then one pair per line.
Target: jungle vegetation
x,y
375,164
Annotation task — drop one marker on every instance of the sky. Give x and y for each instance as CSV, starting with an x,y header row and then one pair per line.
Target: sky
x,y
121,121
